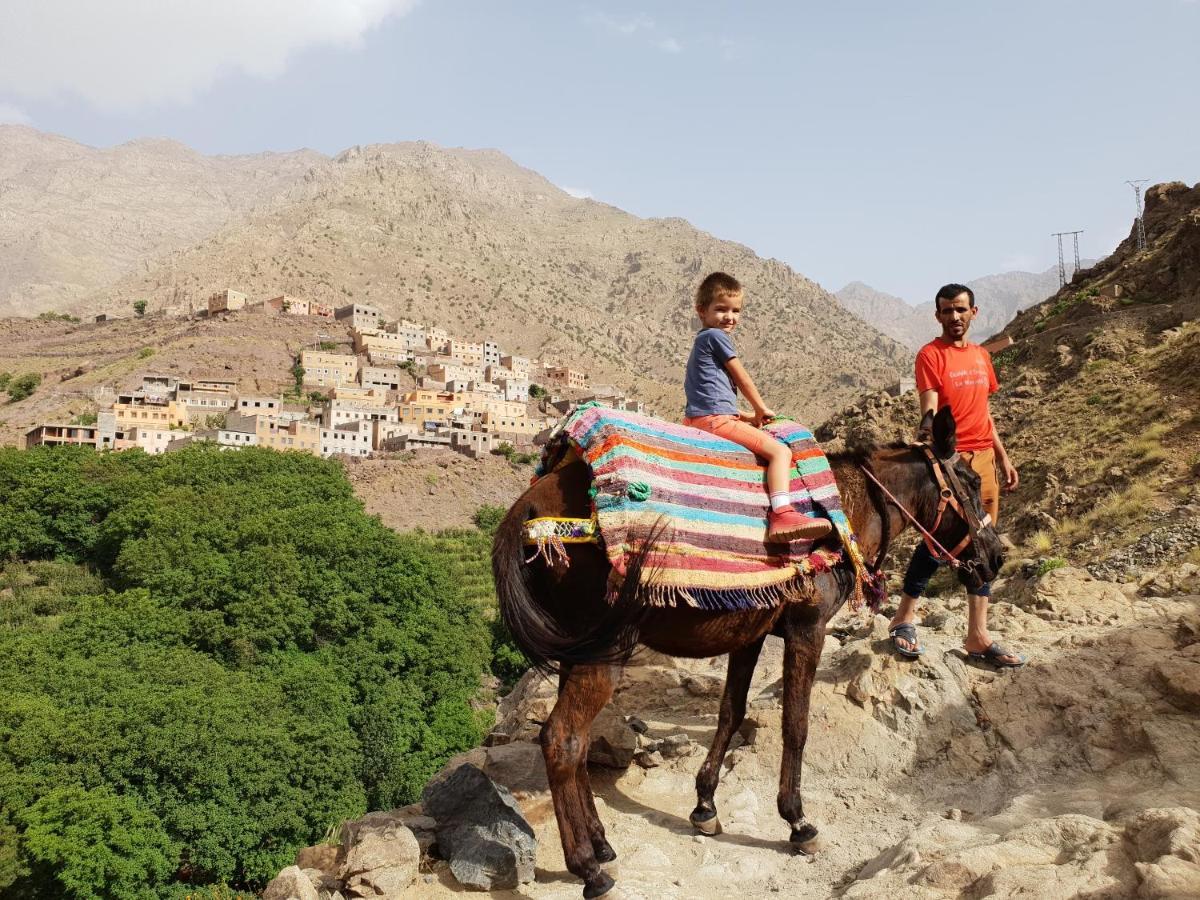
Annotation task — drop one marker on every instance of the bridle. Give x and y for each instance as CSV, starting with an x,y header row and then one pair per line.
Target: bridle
x,y
952,494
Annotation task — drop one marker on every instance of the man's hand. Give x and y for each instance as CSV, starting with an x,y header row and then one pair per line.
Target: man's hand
x,y
1009,471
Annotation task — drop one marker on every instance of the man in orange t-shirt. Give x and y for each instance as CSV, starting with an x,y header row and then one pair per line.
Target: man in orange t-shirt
x,y
951,371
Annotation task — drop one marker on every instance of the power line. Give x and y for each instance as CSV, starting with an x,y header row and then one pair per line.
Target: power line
x,y
1136,184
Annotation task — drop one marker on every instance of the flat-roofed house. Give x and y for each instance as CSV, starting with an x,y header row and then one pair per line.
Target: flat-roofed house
x,y
226,301
328,369
56,435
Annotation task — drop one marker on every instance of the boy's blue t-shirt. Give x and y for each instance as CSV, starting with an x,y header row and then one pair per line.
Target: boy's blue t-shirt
x,y
707,386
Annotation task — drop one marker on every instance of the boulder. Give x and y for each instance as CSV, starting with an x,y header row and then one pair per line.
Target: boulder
x,y
480,830
290,884
382,862
613,743
519,766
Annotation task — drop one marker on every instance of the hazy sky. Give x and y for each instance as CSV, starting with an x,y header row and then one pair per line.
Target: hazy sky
x,y
904,144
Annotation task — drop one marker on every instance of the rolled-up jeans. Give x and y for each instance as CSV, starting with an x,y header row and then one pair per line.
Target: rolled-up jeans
x,y
921,568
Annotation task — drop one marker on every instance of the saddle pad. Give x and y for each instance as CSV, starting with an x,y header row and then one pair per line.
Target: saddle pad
x,y
705,500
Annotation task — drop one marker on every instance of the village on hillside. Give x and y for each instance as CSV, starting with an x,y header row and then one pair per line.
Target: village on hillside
x,y
406,386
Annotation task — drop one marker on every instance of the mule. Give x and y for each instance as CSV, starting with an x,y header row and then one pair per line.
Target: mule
x,y
566,618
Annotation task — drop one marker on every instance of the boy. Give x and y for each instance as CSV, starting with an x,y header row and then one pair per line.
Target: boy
x,y
714,374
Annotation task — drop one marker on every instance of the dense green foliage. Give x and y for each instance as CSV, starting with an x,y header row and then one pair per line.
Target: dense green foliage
x,y
210,658
21,386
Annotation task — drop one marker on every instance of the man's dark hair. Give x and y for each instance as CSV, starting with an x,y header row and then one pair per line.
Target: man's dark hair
x,y
949,292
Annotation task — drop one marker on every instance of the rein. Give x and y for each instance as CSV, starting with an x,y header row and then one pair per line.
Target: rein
x,y
947,496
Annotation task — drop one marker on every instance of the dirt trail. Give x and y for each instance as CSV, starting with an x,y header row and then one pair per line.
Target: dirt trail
x,y
1078,775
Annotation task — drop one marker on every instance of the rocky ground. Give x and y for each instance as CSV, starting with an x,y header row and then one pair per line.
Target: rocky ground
x,y
1078,775
435,489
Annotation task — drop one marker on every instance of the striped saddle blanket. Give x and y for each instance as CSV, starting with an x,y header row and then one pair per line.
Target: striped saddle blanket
x,y
704,498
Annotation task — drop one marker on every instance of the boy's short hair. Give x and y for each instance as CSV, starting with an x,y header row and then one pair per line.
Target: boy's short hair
x,y
949,292
715,286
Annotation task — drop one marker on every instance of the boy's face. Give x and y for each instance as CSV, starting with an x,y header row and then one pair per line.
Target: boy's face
x,y
955,316
722,313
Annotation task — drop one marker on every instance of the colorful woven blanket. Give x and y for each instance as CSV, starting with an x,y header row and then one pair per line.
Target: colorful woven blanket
x,y
705,498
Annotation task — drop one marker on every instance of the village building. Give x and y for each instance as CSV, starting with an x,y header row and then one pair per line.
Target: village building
x,y
324,310
328,369
213,383
349,439
226,301
411,334
518,365
152,440
566,377
436,338
256,405
469,352
56,435
515,390
383,377
297,435
450,372
358,316
289,305
396,356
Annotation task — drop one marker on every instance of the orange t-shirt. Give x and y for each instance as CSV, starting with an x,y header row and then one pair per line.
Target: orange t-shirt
x,y
963,378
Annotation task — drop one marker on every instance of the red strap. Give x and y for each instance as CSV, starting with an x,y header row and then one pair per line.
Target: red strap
x,y
931,542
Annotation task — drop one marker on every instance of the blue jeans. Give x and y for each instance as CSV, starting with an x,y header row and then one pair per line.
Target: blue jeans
x,y
921,568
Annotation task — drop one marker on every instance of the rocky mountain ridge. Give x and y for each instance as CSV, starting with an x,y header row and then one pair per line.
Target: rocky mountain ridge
x,y
473,242
999,298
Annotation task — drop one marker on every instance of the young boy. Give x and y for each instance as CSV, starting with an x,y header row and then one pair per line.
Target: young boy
x,y
714,374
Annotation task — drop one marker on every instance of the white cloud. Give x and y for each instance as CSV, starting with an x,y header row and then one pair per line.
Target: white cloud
x,y
13,115
578,193
670,45
627,25
124,54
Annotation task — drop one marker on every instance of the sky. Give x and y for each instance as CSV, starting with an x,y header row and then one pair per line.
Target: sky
x,y
904,144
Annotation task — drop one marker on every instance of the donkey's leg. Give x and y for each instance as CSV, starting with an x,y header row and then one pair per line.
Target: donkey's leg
x,y
802,649
595,828
733,712
583,691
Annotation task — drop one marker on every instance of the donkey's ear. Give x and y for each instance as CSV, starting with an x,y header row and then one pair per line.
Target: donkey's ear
x,y
925,429
944,433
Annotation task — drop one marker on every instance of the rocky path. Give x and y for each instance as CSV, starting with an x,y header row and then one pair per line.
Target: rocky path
x,y
1076,776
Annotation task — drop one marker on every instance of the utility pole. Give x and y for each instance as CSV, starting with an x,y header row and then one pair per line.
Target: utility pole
x,y
1062,268
1136,184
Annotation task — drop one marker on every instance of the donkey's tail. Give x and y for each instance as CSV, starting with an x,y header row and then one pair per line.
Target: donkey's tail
x,y
610,639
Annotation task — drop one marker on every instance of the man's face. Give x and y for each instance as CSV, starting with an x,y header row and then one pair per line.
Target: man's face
x,y
955,316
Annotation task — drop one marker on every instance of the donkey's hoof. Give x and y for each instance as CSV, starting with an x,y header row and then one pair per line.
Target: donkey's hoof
x,y
705,821
598,886
802,834
604,851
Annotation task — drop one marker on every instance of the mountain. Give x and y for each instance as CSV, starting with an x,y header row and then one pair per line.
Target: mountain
x,y
465,239
74,218
999,298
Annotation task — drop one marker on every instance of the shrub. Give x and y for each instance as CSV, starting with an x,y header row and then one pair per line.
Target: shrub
x,y
23,386
145,353
139,307
254,659
488,518
1049,565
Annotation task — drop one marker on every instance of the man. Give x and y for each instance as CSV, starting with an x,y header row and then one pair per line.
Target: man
x,y
951,371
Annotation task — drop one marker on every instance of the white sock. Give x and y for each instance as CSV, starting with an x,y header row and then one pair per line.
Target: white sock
x,y
780,500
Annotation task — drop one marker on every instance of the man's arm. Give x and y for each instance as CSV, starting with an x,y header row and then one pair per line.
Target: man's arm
x,y
1007,469
929,402
745,384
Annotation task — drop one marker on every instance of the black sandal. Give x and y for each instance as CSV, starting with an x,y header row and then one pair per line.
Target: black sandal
x,y
993,657
907,631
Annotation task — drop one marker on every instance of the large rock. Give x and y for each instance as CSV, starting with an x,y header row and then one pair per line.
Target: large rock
x,y
518,766
1073,595
613,743
381,856
480,831
291,884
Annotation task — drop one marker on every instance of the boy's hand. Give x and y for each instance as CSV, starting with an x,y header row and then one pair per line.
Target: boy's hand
x,y
763,416
745,417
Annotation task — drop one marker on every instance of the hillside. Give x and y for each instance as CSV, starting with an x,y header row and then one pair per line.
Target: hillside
x,y
470,241
1099,405
999,298
75,218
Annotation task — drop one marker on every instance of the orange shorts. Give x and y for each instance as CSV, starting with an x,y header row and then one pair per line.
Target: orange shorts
x,y
733,429
983,462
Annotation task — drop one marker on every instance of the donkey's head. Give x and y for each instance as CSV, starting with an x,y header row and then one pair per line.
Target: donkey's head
x,y
958,521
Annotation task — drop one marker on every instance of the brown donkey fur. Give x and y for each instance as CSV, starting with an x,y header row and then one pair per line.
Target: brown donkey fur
x,y
564,618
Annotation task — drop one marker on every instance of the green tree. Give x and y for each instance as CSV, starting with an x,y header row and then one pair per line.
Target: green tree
x,y
537,392
139,307
22,386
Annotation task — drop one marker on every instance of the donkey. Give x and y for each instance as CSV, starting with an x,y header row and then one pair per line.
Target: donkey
x,y
567,619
